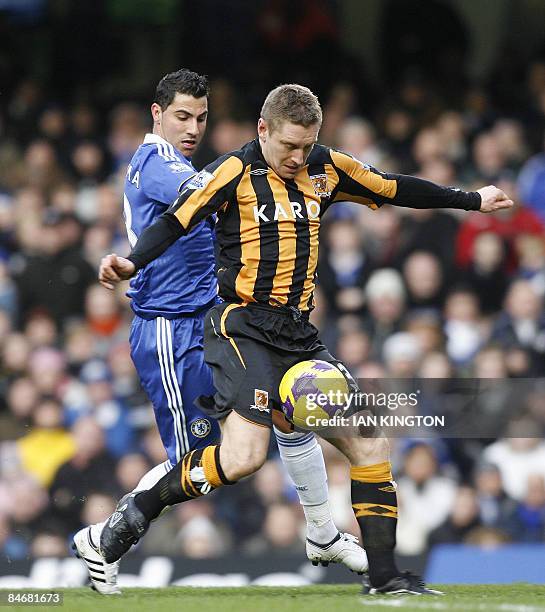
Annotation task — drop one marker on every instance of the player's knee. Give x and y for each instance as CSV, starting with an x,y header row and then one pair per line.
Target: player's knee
x,y
364,451
373,450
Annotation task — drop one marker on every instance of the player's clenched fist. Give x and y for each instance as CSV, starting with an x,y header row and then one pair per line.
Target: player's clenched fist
x,y
114,269
493,199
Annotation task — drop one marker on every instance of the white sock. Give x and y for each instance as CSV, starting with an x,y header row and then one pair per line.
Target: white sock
x,y
96,530
151,478
304,461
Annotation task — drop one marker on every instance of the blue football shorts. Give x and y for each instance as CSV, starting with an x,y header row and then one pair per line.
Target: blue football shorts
x,y
169,358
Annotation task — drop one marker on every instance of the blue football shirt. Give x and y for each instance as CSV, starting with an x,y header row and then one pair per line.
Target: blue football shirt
x,y
182,279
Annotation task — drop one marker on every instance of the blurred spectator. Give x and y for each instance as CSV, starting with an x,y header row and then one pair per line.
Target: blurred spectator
x,y
47,368
358,137
55,277
428,146
518,457
489,158
200,538
509,135
40,330
452,129
99,400
15,354
522,324
88,163
485,274
103,314
463,326
401,355
47,446
424,280
385,297
496,508
89,470
48,544
432,231
228,135
130,469
530,512
425,499
435,365
80,346
22,399
425,326
281,531
382,234
27,504
126,132
462,521
97,507
353,345
508,224
191,530
344,268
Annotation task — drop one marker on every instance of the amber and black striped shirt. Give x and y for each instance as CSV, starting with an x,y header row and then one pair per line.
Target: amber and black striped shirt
x,y
267,227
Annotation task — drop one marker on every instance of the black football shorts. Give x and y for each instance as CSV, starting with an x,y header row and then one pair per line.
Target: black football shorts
x,y
249,348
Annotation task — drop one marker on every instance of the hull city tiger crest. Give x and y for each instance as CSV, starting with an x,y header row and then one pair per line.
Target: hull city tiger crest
x,y
261,400
319,183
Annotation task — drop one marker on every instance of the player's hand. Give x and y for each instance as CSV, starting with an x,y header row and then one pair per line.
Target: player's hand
x,y
493,199
114,269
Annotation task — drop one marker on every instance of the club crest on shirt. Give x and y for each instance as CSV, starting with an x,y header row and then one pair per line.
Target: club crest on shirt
x,y
261,401
319,183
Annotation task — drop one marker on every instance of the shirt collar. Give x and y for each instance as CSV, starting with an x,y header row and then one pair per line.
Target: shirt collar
x,y
154,138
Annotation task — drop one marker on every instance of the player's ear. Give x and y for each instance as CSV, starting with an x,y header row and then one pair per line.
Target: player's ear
x,y
156,112
262,129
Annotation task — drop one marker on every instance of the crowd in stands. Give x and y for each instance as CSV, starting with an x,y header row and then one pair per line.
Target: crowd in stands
x,y
401,293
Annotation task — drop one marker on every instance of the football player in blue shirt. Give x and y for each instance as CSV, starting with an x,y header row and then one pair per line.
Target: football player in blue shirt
x,y
169,298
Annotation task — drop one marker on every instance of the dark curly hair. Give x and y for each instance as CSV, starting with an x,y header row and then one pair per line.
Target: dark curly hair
x,y
182,81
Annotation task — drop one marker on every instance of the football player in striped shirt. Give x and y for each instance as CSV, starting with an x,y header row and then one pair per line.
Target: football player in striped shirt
x,y
170,298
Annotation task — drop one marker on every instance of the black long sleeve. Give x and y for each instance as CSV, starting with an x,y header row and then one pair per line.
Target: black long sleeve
x,y
414,192
156,239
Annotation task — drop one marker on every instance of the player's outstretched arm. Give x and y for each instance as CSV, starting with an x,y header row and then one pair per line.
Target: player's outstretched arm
x,y
374,188
114,269
493,199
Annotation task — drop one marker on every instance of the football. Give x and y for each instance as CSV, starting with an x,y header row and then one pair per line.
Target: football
x,y
312,393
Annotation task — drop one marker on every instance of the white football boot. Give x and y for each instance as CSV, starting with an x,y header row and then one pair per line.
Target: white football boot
x,y
344,548
103,576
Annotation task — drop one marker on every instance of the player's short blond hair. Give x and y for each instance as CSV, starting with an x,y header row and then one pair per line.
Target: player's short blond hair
x,y
293,103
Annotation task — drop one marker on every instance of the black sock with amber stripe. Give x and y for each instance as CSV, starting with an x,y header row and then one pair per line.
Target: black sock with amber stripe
x,y
198,473
374,501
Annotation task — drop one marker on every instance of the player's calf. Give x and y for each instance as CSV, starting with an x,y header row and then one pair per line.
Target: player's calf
x,y
374,500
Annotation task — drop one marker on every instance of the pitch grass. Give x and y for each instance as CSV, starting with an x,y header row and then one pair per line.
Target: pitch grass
x,y
319,598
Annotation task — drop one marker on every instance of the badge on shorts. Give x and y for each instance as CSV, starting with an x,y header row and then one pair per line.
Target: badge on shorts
x,y
261,401
201,428
319,183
